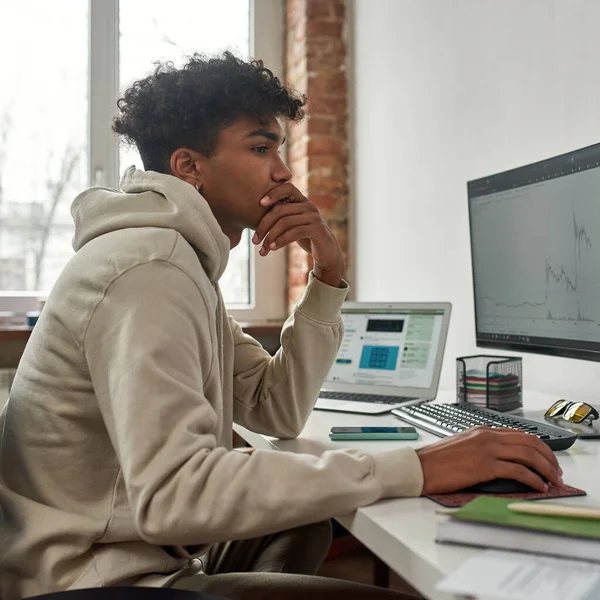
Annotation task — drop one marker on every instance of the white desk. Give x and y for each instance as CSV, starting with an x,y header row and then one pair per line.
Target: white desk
x,y
402,531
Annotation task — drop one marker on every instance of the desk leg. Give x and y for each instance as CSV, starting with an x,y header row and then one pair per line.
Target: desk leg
x,y
381,573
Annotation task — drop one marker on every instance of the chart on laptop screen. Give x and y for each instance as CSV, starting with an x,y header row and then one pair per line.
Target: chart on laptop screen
x,y
391,349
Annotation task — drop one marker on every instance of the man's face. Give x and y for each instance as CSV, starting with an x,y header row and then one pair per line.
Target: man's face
x,y
245,167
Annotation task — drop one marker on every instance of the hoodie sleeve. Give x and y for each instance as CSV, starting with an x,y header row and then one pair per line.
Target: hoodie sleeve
x,y
275,395
149,354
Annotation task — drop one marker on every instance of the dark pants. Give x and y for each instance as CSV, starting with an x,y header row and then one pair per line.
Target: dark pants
x,y
281,566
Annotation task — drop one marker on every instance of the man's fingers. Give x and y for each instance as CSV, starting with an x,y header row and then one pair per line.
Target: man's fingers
x,y
514,436
529,456
277,213
292,235
282,192
513,470
274,241
525,449
543,449
518,437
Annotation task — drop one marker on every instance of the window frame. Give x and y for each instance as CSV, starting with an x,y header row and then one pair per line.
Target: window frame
x,y
267,274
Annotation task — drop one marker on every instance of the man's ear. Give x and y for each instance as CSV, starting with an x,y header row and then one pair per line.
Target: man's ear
x,y
188,165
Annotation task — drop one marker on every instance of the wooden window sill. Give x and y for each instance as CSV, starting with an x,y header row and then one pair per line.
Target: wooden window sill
x,y
269,328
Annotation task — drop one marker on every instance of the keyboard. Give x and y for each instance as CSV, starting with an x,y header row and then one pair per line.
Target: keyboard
x,y
363,397
448,419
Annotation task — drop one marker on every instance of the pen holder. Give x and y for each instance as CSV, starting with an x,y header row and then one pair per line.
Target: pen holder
x,y
495,382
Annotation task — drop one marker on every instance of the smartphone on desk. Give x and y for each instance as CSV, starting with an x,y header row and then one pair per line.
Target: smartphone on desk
x,y
373,433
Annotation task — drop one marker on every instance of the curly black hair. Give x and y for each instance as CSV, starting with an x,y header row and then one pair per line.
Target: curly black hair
x,y
190,106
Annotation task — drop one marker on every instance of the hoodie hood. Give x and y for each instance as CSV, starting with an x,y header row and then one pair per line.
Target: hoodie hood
x,y
150,199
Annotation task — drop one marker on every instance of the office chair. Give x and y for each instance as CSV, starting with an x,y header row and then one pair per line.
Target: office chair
x,y
127,593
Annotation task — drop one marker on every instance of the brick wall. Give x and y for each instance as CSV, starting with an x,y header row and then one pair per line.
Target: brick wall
x,y
317,152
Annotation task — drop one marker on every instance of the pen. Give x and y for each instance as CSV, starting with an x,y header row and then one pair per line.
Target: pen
x,y
555,510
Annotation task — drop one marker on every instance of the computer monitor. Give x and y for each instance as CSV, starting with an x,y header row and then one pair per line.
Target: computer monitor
x,y
535,249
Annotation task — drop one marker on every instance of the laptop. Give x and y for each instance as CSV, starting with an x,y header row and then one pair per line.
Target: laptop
x,y
391,354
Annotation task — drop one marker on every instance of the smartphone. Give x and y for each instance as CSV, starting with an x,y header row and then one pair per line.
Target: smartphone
x,y
373,433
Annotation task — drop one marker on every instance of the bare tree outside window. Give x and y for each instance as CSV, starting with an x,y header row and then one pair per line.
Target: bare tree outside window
x,y
44,118
43,130
57,182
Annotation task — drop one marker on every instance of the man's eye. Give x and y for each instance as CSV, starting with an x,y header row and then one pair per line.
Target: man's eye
x,y
260,149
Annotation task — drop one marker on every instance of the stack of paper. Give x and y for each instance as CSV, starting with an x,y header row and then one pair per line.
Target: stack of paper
x,y
488,522
511,576
496,391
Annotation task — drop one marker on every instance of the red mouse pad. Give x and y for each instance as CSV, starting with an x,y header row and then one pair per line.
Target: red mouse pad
x,y
457,499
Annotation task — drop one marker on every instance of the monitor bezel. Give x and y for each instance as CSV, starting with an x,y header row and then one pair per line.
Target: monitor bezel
x,y
554,346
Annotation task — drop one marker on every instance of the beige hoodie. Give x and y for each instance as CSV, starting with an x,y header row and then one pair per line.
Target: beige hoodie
x,y
115,461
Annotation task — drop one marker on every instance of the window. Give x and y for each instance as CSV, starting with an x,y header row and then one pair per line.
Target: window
x,y
68,67
43,136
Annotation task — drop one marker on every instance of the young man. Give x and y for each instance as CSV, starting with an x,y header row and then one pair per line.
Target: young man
x,y
116,465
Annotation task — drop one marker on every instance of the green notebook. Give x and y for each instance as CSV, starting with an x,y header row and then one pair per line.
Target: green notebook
x,y
494,511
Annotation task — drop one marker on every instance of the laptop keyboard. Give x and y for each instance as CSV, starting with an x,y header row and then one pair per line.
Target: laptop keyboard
x,y
371,398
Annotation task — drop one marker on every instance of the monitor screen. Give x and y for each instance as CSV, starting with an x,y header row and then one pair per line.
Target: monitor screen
x,y
535,249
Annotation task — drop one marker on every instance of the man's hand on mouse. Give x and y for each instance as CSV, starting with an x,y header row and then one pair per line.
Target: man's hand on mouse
x,y
482,454
293,218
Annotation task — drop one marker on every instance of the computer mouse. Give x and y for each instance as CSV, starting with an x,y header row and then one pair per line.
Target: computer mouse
x,y
503,486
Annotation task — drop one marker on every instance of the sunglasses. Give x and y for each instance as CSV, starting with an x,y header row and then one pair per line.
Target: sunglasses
x,y
575,412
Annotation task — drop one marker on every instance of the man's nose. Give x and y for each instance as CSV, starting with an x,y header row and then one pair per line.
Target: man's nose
x,y
282,173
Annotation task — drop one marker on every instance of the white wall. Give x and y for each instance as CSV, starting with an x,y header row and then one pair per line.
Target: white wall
x,y
450,90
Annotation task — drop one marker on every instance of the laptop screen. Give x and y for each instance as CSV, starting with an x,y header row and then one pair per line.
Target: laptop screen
x,y
389,347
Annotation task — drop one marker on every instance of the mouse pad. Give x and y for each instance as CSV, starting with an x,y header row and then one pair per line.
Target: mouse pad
x,y
457,499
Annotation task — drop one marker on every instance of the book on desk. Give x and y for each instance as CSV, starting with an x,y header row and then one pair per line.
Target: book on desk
x,y
488,522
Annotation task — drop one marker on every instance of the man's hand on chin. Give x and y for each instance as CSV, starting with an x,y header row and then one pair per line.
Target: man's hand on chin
x,y
293,218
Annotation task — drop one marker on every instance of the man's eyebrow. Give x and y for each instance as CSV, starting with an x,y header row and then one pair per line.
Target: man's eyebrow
x,y
266,133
